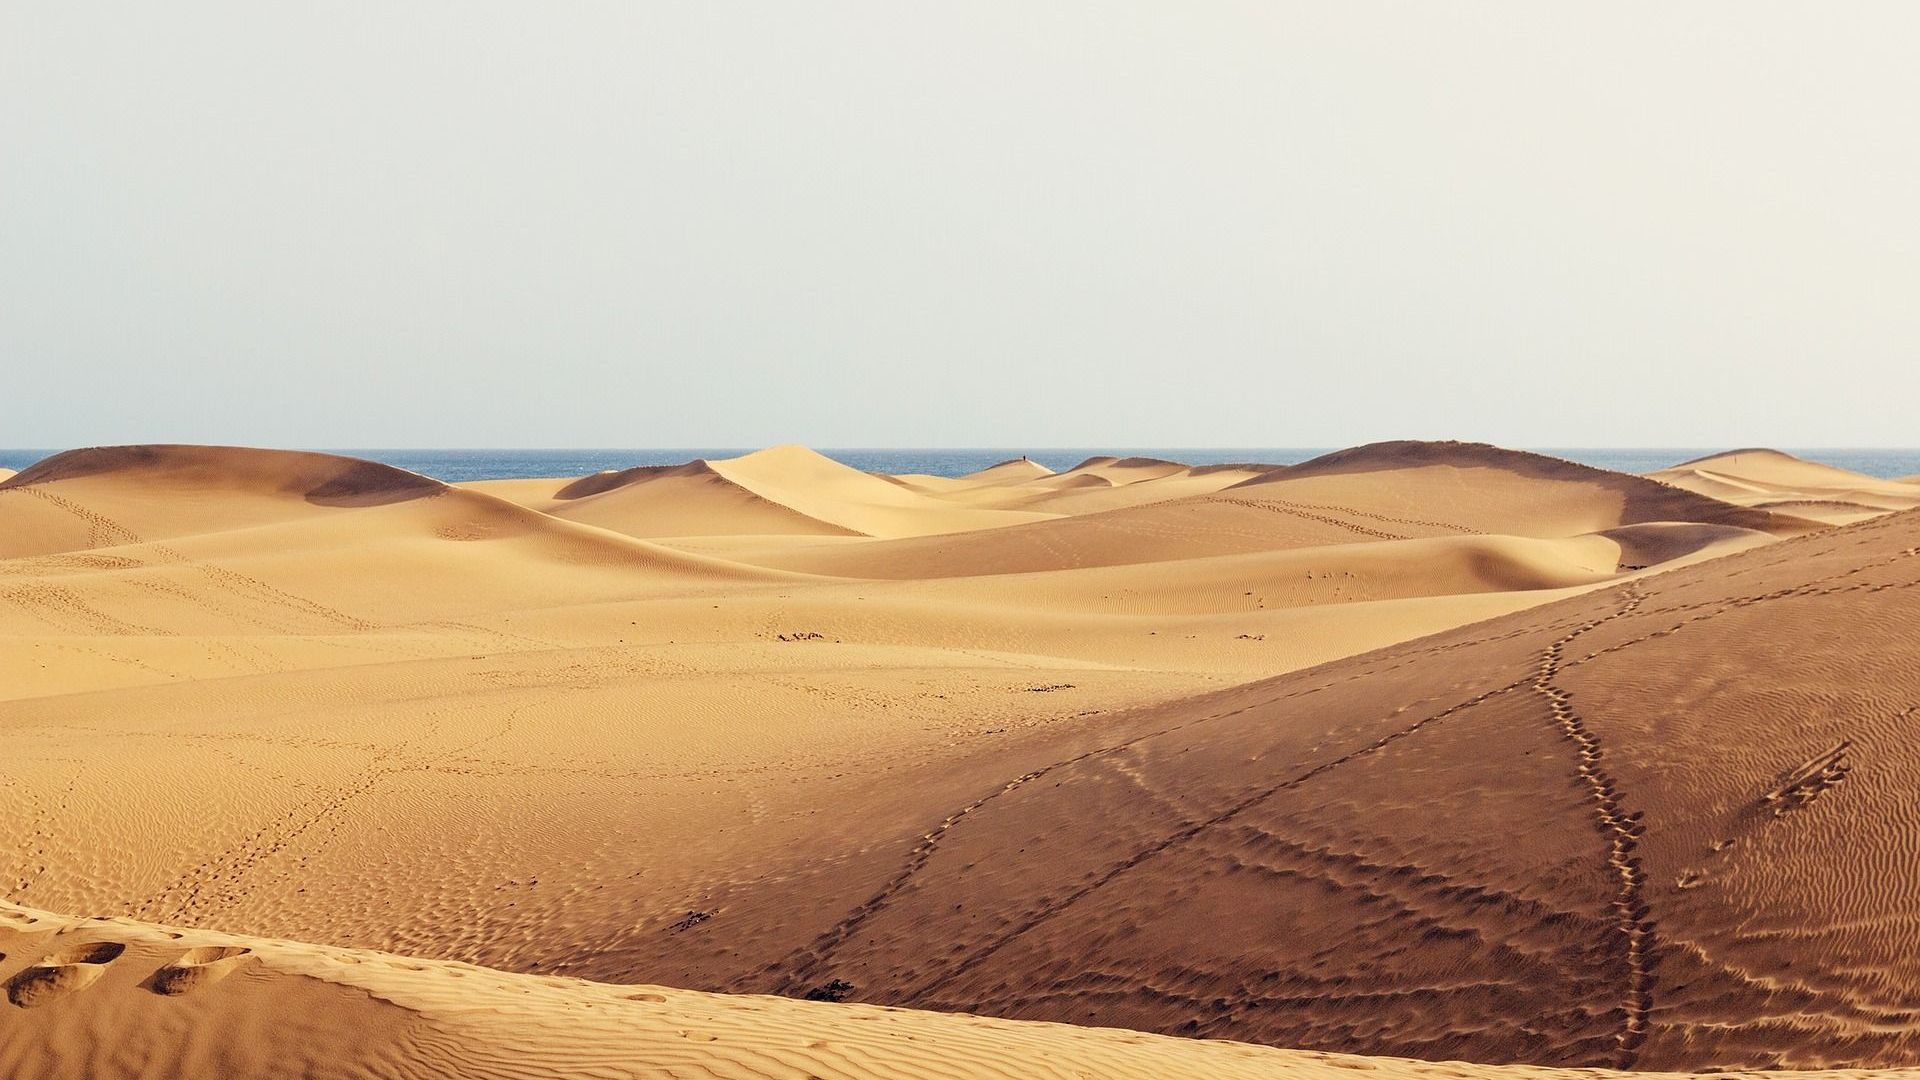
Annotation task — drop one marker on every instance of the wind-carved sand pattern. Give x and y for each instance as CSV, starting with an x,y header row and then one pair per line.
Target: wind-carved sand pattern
x,y
1013,774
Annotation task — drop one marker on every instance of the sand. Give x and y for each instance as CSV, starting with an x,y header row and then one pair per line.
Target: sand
x,y
1772,480
159,1001
1430,751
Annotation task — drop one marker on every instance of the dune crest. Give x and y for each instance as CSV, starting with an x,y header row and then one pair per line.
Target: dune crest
x,y
326,479
785,491
314,1011
1432,751
1770,479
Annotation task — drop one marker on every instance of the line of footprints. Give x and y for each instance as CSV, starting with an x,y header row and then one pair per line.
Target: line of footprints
x,y
76,967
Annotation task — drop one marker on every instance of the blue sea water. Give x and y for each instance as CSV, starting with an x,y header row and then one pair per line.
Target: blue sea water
x,y
479,464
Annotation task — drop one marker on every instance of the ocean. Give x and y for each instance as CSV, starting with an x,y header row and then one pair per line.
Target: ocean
x,y
478,464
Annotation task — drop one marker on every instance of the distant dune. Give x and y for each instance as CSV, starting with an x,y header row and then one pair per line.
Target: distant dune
x,y
788,491
1388,491
1434,751
1018,470
1769,479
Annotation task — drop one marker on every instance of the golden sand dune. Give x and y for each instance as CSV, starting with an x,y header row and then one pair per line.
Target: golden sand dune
x,y
110,496
785,490
112,998
1090,488
1018,470
1489,489
1772,480
978,745
1668,825
686,500
1387,491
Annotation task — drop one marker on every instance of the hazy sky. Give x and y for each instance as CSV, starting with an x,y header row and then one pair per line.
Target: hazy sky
x,y
913,224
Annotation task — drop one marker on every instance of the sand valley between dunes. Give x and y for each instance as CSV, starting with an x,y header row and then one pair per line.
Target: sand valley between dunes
x,y
1427,759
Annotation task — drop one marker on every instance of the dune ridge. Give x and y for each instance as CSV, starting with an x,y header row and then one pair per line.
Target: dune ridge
x,y
274,1008
1769,479
784,490
1734,910
1416,751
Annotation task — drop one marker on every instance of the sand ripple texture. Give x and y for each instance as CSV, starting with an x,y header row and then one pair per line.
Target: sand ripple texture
x,y
1419,751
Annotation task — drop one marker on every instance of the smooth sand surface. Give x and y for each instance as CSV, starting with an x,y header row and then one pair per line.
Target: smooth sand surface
x,y
1418,750
786,490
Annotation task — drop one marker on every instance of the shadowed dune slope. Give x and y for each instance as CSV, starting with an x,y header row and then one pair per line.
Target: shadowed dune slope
x,y
1667,825
1486,488
101,496
324,479
337,526
155,1002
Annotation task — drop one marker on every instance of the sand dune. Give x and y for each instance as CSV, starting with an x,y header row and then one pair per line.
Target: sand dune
x,y
1100,483
1018,470
690,500
1034,745
1489,489
1772,480
1668,825
1388,491
108,496
193,1003
787,490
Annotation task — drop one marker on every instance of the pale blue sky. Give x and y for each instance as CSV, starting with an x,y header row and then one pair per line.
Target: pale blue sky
x,y
989,223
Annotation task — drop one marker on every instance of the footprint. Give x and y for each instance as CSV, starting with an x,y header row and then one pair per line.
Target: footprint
x,y
60,973
655,999
199,967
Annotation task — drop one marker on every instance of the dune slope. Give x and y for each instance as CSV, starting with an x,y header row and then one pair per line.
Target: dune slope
x,y
785,490
158,1002
1772,480
1385,491
1668,825
906,743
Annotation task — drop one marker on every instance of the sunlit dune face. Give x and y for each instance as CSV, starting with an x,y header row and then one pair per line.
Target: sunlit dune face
x,y
1432,751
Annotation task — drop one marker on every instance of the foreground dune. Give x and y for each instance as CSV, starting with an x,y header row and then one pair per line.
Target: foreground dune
x,y
111,998
1668,825
1417,750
